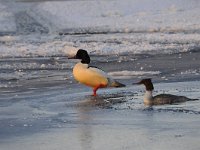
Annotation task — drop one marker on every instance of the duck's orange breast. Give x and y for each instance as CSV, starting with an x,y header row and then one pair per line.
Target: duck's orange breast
x,y
88,76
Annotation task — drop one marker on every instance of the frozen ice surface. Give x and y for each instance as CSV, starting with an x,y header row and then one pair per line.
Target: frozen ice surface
x,y
130,74
151,43
59,119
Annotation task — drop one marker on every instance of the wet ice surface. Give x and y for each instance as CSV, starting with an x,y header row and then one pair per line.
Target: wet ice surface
x,y
42,107
60,118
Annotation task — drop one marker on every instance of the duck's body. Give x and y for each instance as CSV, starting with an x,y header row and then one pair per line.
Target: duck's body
x,y
92,76
164,99
89,76
161,99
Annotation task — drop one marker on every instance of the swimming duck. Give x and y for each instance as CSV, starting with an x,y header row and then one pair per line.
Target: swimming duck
x,y
149,99
90,75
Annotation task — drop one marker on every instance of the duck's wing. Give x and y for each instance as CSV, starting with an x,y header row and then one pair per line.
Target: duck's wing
x,y
98,70
103,74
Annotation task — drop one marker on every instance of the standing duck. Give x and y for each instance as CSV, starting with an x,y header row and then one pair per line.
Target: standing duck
x,y
149,99
90,75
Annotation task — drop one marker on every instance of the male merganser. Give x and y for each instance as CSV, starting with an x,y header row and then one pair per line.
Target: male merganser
x,y
90,75
149,99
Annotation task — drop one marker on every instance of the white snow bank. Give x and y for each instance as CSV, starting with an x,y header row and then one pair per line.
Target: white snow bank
x,y
118,15
140,26
101,44
7,20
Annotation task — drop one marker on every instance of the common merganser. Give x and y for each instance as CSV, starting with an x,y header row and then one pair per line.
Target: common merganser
x,y
149,99
90,75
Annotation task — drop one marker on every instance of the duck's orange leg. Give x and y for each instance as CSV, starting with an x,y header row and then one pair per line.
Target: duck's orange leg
x,y
96,88
95,91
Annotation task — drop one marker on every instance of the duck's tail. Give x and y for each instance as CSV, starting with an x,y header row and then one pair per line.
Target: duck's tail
x,y
193,99
117,84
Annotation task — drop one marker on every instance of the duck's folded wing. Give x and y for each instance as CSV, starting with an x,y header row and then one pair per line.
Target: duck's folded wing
x,y
102,74
98,71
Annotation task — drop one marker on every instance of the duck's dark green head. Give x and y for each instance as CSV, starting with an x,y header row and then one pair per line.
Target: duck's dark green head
x,y
83,56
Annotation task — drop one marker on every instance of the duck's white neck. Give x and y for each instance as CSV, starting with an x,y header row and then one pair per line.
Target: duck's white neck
x,y
148,97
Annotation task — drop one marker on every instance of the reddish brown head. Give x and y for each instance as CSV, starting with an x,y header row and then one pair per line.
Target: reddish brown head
x,y
148,84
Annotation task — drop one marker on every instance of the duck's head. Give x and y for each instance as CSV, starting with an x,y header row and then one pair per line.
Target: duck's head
x,y
148,84
83,56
